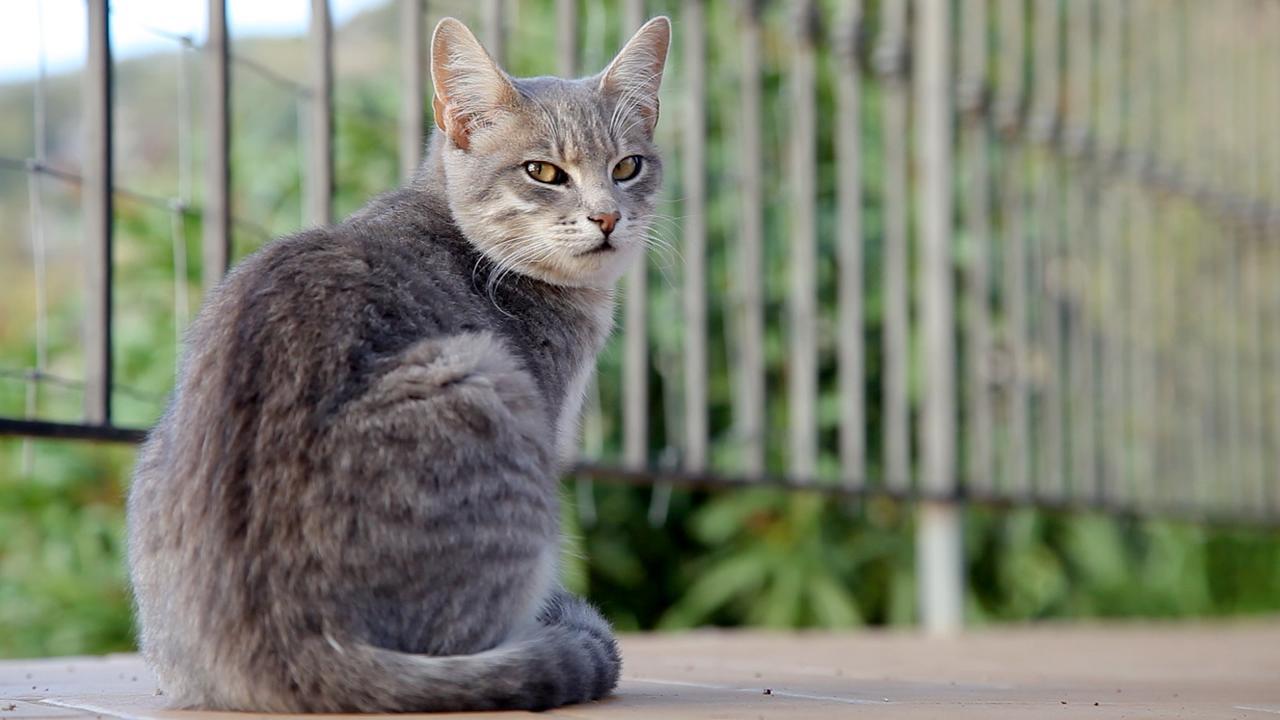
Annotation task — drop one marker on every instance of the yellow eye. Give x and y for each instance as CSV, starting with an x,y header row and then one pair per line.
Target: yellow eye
x,y
626,168
545,172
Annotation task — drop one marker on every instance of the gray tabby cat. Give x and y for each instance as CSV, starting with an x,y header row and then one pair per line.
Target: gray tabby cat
x,y
351,501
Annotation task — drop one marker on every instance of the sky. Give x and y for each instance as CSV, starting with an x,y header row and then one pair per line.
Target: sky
x,y
63,27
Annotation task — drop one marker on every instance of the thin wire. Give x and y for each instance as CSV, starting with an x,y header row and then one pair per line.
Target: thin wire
x,y
177,217
27,375
301,136
36,229
141,198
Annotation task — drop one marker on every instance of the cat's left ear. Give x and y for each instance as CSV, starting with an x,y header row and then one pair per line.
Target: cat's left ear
x,y
470,89
635,75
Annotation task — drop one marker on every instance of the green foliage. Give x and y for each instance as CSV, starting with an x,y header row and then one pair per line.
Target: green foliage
x,y
63,588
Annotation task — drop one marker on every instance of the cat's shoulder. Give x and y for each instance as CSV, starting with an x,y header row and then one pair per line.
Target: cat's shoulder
x,y
385,237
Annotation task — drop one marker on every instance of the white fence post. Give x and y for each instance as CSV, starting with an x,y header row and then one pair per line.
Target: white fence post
x,y
939,556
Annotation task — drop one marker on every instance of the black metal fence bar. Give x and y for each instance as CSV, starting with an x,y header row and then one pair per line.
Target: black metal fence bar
x,y
98,216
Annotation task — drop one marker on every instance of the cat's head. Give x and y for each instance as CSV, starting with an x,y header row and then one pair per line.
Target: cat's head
x,y
550,177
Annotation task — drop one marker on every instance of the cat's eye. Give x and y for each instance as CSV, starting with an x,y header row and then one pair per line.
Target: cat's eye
x,y
626,168
545,172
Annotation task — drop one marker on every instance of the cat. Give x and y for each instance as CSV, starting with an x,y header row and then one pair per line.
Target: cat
x,y
350,503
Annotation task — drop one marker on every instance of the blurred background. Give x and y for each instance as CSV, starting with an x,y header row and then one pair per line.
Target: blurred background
x,y
1014,261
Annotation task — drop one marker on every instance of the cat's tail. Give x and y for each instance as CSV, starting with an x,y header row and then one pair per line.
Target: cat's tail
x,y
570,656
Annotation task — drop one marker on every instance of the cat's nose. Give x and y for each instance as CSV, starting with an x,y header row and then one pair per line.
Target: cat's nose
x,y
606,221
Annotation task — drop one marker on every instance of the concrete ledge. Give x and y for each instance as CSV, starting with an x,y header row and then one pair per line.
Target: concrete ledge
x,y
1061,671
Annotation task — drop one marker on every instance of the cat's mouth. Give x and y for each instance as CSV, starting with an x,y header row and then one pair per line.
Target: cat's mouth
x,y
604,247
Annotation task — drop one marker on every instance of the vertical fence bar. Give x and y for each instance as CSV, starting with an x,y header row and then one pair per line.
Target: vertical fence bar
x,y
1042,127
1080,244
751,381
320,152
1200,349
98,215
1189,280
1163,249
179,205
495,30
971,90
853,453
216,218
635,340
1111,138
39,246
891,61
1227,180
1218,300
412,81
1272,23
1251,54
940,564
695,191
1147,256
592,430
1008,111
802,308
1173,459
567,38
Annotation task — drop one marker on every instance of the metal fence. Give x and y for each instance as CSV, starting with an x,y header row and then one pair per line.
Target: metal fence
x,y
1060,285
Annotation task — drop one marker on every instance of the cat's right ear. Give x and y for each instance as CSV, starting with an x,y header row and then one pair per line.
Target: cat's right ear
x,y
470,89
635,75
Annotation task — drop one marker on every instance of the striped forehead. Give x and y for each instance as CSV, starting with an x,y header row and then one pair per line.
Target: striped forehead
x,y
574,119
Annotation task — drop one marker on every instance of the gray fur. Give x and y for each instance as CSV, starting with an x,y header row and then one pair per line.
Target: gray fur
x,y
350,504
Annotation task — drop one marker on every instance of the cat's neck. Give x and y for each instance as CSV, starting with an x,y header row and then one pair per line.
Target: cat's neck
x,y
428,179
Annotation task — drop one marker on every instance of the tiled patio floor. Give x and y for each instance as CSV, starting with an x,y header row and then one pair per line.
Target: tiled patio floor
x,y
1067,671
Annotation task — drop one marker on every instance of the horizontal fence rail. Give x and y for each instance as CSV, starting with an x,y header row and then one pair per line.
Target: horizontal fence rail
x,y
1028,248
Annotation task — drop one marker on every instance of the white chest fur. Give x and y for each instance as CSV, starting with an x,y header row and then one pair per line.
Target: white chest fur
x,y
567,424
568,421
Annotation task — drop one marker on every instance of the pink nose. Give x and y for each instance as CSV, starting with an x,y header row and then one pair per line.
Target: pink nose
x,y
606,221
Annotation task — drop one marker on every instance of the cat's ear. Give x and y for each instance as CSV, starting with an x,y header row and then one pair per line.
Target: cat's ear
x,y
635,74
470,89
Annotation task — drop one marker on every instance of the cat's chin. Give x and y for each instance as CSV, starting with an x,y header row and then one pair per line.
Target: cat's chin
x,y
599,270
